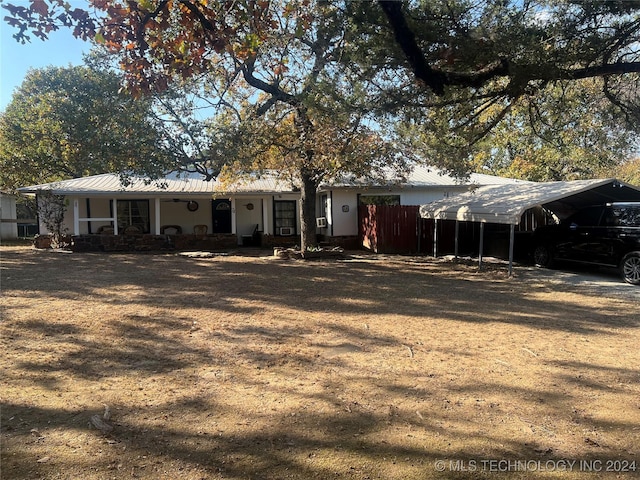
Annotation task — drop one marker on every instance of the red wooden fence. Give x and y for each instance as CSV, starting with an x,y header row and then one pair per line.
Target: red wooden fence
x,y
393,229
399,229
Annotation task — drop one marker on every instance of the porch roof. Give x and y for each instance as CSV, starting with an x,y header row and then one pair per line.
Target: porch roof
x,y
109,184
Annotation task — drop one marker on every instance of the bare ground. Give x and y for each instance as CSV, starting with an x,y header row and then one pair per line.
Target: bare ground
x,y
250,367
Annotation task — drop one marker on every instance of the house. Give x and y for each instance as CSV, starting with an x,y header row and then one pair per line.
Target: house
x,y
184,211
8,217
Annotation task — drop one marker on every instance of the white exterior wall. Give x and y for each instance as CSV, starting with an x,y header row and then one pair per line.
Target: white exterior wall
x,y
413,197
8,217
176,213
67,224
341,222
249,212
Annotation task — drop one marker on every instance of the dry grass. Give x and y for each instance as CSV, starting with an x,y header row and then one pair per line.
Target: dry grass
x,y
249,367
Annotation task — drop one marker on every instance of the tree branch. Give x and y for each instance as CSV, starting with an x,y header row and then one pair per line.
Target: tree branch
x,y
407,40
520,74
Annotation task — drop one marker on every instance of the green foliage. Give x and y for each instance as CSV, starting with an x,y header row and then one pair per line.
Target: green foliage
x,y
69,122
628,171
536,89
566,131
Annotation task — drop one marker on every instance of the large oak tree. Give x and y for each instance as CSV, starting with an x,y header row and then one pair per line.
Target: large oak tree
x,y
69,122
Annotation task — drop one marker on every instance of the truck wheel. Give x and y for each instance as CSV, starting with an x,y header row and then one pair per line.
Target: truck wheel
x,y
631,268
543,256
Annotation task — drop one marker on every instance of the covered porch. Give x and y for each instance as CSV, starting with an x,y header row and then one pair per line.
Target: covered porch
x,y
178,212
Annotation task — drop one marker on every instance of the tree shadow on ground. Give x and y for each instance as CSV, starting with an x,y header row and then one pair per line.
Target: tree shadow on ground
x,y
329,397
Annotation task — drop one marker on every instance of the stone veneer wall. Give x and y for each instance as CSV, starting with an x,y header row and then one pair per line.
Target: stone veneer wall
x,y
270,241
151,243
159,243
348,242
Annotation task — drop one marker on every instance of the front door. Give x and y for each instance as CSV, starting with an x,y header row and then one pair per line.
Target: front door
x,y
221,211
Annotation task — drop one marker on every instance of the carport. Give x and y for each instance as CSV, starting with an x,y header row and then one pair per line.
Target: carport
x,y
505,204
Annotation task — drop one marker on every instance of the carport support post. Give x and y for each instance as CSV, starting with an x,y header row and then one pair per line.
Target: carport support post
x,y
512,236
435,237
481,245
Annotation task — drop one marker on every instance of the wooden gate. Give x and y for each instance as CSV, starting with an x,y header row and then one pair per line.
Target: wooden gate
x,y
389,229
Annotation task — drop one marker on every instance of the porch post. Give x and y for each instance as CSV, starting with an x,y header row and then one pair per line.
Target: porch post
x,y
76,217
481,245
511,241
114,209
266,225
233,215
157,215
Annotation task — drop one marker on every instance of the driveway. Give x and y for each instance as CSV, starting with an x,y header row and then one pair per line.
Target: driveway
x,y
601,281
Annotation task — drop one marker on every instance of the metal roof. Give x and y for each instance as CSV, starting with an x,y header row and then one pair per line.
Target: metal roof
x,y
171,185
421,176
506,203
193,183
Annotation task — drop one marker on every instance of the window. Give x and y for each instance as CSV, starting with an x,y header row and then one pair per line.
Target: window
x,y
133,213
285,217
625,216
379,199
588,217
324,205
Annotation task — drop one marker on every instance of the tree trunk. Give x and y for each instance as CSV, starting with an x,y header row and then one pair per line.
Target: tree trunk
x,y
308,211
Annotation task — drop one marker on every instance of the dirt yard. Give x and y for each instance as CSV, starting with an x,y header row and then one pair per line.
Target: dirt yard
x,y
252,367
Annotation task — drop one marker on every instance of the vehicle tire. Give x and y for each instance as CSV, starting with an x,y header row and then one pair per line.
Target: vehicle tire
x,y
543,256
630,268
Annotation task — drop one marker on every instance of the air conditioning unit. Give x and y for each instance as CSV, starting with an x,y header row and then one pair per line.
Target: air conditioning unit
x,y
284,231
321,222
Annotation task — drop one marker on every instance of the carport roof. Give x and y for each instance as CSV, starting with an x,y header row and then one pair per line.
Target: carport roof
x,y
506,203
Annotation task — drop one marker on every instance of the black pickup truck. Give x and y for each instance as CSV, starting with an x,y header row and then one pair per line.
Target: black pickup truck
x,y
601,235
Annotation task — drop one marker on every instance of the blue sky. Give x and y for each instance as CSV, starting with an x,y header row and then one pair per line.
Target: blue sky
x,y
62,49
